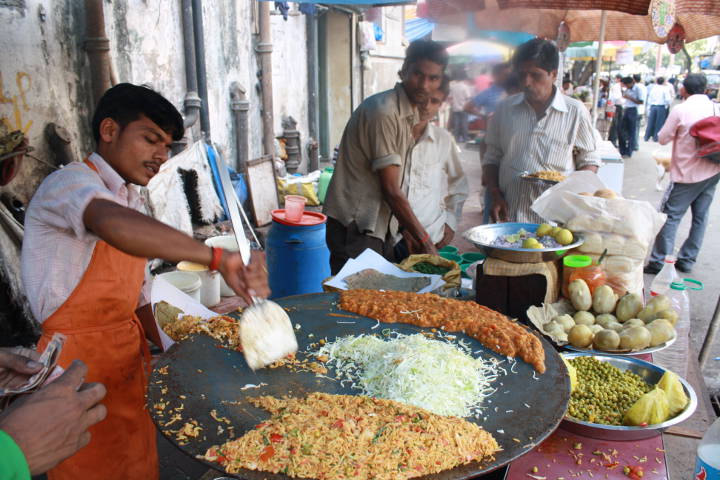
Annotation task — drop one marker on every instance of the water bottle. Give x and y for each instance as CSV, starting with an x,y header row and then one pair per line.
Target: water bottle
x,y
675,356
707,465
661,283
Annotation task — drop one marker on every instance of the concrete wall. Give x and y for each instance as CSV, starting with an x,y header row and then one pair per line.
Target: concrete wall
x,y
44,74
382,64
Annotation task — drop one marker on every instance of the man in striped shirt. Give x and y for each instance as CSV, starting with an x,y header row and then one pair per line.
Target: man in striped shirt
x,y
538,129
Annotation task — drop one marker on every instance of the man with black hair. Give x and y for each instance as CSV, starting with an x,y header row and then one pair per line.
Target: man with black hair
x,y
658,100
365,203
537,129
615,96
629,124
694,179
83,265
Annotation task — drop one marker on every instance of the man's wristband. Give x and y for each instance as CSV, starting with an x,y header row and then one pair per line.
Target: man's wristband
x,y
13,464
217,253
425,238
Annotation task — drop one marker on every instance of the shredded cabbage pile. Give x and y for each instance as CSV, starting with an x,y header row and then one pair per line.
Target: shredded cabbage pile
x,y
435,375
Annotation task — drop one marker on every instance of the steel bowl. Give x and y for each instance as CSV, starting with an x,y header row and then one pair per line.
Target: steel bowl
x,y
482,237
649,372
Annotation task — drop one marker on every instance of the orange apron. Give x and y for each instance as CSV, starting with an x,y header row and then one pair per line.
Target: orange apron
x,y
103,331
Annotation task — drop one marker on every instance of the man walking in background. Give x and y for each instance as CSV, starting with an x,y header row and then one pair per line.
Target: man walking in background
x,y
615,96
628,126
640,108
658,101
693,178
460,92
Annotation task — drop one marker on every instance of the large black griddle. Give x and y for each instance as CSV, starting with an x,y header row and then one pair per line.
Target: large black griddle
x,y
210,377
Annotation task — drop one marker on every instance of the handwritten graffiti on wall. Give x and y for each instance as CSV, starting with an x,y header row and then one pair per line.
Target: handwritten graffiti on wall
x,y
18,103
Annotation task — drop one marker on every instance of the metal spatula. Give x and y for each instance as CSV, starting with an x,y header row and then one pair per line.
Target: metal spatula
x,y
266,333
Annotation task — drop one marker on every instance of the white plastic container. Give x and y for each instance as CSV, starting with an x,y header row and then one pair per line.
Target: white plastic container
x,y
210,289
707,465
187,282
229,243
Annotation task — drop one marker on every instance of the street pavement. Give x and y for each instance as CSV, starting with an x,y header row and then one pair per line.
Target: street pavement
x,y
640,180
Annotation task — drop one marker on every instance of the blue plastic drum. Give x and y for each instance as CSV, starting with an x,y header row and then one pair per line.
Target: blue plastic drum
x,y
297,257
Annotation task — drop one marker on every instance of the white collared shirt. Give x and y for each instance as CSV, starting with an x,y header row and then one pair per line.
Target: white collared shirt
x,y
57,247
437,186
659,95
517,141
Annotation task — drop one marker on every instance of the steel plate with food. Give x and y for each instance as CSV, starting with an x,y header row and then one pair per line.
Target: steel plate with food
x,y
624,398
523,242
422,400
544,177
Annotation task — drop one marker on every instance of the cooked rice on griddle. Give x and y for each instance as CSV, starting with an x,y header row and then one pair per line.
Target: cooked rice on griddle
x,y
222,328
331,437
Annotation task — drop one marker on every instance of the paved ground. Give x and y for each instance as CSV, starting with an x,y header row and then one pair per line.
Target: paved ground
x,y
640,183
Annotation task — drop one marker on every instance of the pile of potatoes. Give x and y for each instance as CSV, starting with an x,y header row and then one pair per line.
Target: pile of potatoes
x,y
604,322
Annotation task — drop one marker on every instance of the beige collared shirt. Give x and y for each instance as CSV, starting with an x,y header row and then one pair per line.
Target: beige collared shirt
x,y
437,185
57,247
517,141
378,135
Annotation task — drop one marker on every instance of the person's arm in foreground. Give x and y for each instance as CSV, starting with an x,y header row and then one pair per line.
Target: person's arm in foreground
x,y
142,236
398,202
51,424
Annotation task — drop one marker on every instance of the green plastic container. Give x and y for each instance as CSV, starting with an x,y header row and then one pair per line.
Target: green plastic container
x,y
323,182
472,257
449,249
577,261
451,256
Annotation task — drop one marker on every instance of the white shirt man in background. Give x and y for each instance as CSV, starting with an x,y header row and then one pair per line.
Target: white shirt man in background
x,y
616,97
460,93
435,182
640,108
658,103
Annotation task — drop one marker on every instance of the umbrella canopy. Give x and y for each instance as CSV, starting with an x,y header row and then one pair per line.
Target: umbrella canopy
x,y
478,51
528,16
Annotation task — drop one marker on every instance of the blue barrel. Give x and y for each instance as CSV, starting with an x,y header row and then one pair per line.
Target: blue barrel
x,y
297,257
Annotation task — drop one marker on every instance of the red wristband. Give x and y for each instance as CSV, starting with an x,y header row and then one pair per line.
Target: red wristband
x,y
217,253
425,238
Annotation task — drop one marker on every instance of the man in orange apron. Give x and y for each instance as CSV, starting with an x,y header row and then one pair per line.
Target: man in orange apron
x,y
83,267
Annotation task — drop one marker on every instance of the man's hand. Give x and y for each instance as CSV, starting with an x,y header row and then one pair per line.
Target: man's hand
x,y
17,365
427,246
51,424
499,208
448,235
247,281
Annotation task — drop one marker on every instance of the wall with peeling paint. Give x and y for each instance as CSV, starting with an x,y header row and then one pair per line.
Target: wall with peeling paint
x,y
44,74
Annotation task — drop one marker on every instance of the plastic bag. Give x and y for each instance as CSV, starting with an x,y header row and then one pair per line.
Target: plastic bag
x,y
451,277
563,203
305,186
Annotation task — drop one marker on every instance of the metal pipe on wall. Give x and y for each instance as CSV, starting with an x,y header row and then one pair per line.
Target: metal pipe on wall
x,y
240,105
97,46
311,27
199,34
264,50
192,103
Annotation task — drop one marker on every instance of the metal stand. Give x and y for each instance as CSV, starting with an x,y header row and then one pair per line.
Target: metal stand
x,y
710,336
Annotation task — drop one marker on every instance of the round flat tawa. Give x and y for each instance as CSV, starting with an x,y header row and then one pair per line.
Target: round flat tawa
x,y
200,380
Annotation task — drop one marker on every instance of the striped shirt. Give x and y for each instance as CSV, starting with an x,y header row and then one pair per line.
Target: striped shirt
x,y
517,141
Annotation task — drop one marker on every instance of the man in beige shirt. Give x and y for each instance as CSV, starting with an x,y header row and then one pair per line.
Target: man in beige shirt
x,y
365,202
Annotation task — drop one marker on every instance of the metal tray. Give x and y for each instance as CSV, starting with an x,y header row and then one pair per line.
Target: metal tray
x,y
483,235
539,181
649,372
202,377
589,351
